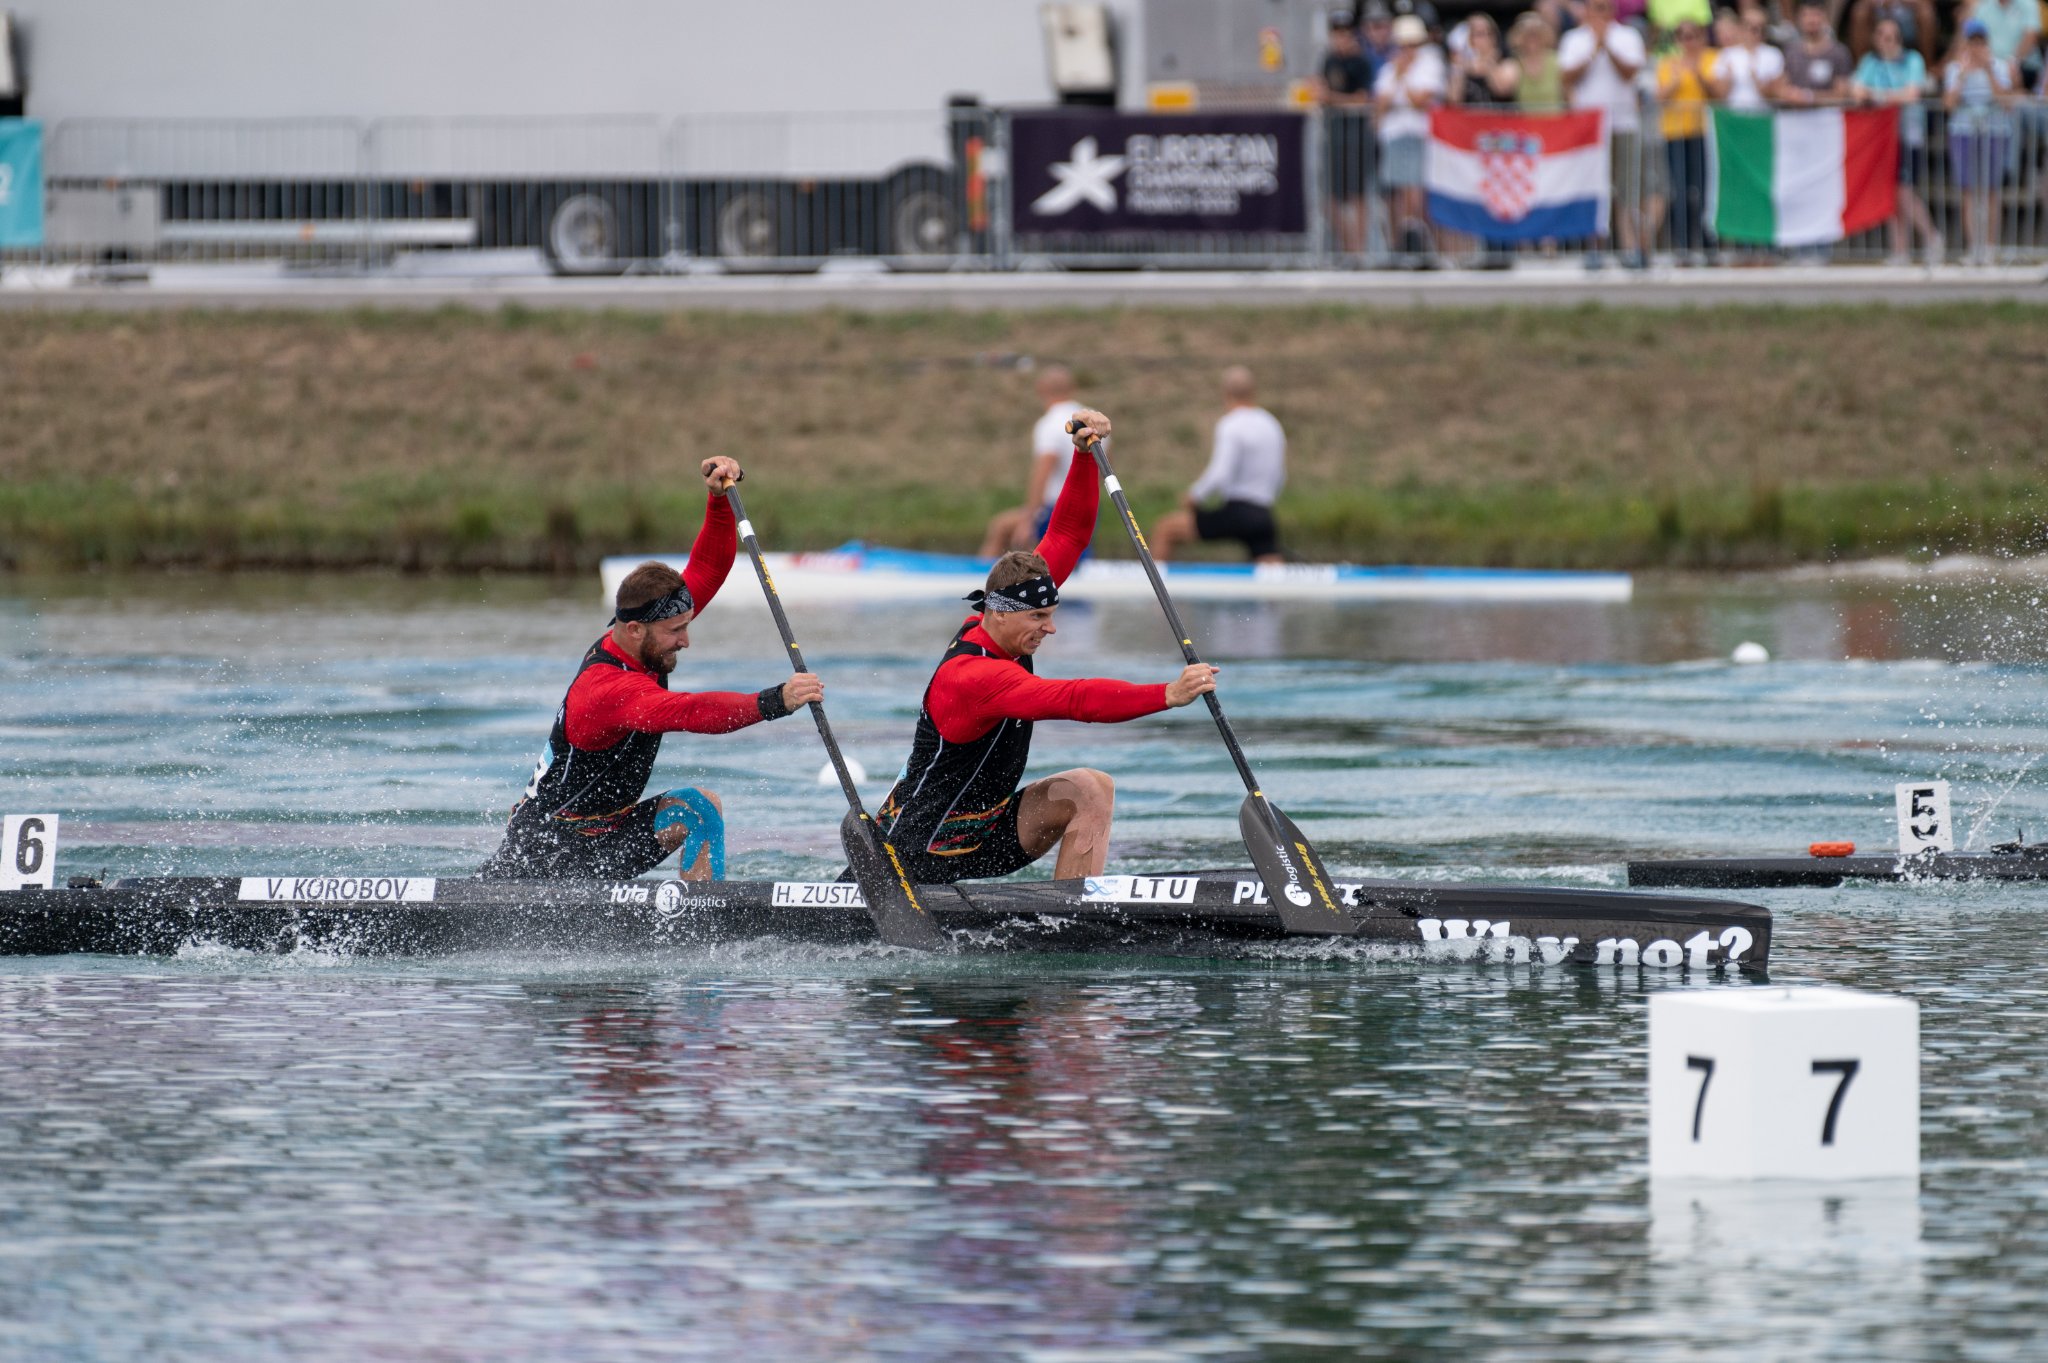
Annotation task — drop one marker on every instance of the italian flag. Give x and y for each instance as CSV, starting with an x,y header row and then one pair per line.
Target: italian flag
x,y
1801,178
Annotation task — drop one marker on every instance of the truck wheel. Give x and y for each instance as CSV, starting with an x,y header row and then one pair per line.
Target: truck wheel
x,y
747,225
583,237
922,223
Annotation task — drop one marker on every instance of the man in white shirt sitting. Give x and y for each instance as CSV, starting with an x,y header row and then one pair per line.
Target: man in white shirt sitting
x,y
1246,469
1023,526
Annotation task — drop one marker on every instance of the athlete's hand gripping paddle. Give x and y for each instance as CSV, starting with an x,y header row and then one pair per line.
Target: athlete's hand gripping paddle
x,y
1293,873
899,913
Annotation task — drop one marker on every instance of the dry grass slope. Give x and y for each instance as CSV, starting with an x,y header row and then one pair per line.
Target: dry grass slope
x,y
542,440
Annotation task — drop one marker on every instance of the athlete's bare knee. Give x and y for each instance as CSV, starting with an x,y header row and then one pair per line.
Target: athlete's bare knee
x,y
1098,790
1089,796
1085,796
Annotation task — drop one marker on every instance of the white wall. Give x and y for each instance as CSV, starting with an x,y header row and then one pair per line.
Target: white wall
x,y
373,58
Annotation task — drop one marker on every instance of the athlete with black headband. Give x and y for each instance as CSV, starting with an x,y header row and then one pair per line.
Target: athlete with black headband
x,y
956,812
582,814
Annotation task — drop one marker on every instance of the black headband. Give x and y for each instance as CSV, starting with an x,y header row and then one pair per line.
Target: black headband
x,y
661,608
1033,593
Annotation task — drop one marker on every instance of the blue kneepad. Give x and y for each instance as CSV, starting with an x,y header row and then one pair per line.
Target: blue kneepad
x,y
693,809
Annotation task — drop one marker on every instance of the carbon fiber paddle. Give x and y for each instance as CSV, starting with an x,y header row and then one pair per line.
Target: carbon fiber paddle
x,y
1296,883
899,914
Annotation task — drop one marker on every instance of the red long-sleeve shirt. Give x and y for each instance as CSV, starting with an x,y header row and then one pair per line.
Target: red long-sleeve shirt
x,y
606,704
969,696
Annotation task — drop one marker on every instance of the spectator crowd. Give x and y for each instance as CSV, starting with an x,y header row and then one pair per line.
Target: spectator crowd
x,y
1967,84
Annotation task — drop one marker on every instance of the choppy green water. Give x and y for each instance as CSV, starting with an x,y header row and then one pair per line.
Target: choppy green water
x,y
801,1154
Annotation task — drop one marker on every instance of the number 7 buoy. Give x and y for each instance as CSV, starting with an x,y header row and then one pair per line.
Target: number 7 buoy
x,y
1808,1083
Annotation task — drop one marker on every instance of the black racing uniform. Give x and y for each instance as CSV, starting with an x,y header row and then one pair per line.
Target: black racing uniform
x,y
952,814
582,815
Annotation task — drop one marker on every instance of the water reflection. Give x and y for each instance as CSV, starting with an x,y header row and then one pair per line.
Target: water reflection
x,y
1750,1262
799,1156
803,1154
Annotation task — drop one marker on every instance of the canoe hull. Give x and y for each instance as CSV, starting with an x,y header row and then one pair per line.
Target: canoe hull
x,y
1760,873
1201,913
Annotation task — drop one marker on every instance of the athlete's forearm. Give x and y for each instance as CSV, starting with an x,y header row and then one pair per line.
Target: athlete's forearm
x,y
694,712
1105,700
712,555
1073,518
602,709
970,696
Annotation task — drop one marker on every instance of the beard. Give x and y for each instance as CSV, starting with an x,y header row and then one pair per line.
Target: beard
x,y
655,661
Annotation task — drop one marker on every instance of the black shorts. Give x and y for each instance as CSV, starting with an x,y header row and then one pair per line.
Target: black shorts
x,y
610,847
999,853
1350,148
1245,521
1912,165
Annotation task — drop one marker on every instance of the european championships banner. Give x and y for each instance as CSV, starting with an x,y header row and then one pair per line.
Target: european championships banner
x,y
1100,171
21,182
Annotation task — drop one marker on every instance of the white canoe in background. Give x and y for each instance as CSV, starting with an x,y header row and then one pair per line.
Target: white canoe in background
x,y
857,571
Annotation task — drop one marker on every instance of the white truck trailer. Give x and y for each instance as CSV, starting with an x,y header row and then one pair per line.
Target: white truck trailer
x,y
607,133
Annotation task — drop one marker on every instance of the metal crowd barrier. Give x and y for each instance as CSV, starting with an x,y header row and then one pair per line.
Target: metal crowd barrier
x,y
1962,197
924,190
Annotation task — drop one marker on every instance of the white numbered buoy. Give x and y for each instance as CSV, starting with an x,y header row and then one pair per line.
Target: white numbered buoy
x,y
28,851
1812,1083
1923,817
1749,651
829,777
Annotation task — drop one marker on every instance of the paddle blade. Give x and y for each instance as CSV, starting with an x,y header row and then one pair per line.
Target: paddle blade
x,y
900,916
1296,882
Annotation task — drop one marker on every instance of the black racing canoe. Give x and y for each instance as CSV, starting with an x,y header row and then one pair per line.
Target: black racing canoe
x,y
1761,873
1197,912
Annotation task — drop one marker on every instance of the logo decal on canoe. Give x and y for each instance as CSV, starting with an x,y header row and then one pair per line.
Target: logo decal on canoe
x,y
671,901
1139,889
1497,940
339,889
1254,892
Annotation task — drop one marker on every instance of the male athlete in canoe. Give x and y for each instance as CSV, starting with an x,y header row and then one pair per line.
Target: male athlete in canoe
x,y
582,814
956,812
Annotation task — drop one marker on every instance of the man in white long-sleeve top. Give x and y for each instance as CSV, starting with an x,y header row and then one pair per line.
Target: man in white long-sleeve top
x,y
1246,470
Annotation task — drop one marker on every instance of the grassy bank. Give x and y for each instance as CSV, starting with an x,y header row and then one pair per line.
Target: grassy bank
x,y
545,440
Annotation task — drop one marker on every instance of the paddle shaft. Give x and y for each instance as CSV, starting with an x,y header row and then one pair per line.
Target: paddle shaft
x,y
796,655
1180,631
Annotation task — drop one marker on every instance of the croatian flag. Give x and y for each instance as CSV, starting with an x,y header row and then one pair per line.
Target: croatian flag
x,y
1518,177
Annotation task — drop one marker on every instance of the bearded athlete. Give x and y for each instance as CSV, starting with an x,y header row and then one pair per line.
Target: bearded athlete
x,y
956,812
582,814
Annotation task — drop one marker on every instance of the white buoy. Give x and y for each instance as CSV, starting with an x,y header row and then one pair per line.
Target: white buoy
x,y
1748,652
829,777
1810,1083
